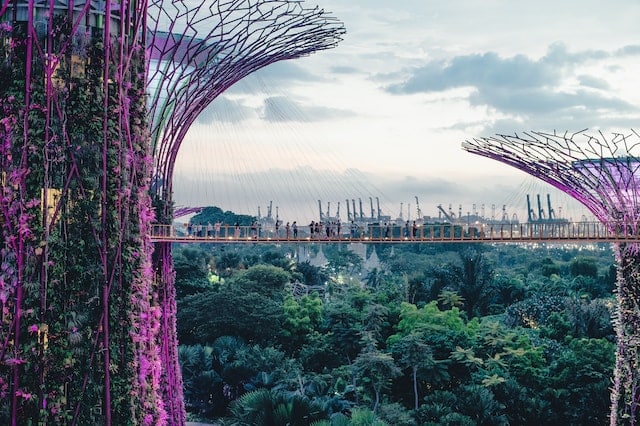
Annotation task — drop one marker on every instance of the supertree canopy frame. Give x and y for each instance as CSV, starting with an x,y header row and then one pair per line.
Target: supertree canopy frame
x,y
195,53
79,320
603,173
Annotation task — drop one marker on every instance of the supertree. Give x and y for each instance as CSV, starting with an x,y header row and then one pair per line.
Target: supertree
x,y
196,52
602,173
80,319
86,335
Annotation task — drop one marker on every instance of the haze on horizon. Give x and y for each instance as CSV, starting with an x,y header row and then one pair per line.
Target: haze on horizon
x,y
384,113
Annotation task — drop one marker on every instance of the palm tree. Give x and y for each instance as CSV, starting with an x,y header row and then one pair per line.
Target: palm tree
x,y
450,299
268,408
200,380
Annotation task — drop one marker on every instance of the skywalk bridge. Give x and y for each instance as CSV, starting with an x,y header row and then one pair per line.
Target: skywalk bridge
x,y
569,232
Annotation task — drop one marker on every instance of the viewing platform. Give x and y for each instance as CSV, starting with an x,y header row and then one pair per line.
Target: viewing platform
x,y
426,233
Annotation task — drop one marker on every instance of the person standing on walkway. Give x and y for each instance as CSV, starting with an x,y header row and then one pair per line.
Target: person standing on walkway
x,y
287,229
295,229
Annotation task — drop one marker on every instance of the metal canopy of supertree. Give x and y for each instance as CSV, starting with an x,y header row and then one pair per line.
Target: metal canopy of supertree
x,y
599,172
196,52
603,173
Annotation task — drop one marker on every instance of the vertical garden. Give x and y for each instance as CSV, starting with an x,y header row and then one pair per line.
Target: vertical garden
x,y
79,318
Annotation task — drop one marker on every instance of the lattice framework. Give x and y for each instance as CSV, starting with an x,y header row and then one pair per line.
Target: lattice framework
x,y
197,52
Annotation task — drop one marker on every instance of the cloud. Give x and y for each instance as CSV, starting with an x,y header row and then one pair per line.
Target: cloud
x,y
345,69
630,50
226,110
536,101
284,109
538,92
483,71
593,82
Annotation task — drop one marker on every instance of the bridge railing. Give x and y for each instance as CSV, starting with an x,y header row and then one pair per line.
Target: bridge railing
x,y
438,232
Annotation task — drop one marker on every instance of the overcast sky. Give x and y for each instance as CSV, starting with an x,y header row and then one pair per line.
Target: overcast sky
x,y
385,112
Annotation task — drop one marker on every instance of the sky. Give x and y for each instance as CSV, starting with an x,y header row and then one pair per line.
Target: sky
x,y
384,113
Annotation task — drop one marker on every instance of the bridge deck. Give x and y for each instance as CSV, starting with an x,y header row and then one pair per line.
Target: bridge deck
x,y
427,233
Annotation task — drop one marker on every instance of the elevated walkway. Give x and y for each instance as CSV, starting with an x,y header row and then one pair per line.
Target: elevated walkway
x,y
427,233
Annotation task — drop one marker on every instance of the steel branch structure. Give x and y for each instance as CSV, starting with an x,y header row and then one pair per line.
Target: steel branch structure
x,y
195,52
198,51
603,173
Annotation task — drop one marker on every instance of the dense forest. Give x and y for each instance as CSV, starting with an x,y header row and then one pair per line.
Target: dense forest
x,y
430,334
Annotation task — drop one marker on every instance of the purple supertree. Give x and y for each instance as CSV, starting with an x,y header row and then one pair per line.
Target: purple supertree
x,y
196,52
79,315
603,173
